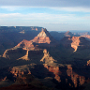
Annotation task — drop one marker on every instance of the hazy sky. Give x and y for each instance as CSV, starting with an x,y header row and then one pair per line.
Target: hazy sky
x,y
59,15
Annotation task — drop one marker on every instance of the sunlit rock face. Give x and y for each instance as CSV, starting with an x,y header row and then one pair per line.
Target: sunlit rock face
x,y
46,65
75,43
86,36
25,44
47,59
20,70
71,41
66,76
44,37
88,63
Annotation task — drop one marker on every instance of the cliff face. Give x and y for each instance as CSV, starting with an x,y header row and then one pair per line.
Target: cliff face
x,y
75,42
20,70
47,59
71,41
66,76
25,44
44,37
44,62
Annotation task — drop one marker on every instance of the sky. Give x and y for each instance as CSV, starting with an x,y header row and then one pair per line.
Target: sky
x,y
55,15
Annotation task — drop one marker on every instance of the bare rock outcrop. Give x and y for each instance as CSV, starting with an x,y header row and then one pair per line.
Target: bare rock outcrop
x,y
25,57
88,63
66,75
75,43
86,36
44,37
20,70
47,59
26,45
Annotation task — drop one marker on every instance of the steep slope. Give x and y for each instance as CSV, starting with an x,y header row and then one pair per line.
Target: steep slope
x,y
11,36
86,36
75,42
44,37
26,45
55,63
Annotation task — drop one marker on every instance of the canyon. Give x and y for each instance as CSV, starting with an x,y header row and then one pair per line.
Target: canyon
x,y
41,62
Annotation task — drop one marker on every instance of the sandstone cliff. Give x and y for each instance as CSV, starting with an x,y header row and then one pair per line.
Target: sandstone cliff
x,y
44,37
47,59
75,42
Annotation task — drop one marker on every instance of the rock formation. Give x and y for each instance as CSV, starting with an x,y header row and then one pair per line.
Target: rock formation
x,y
45,64
20,70
44,37
25,57
26,45
71,41
47,59
88,63
68,34
75,43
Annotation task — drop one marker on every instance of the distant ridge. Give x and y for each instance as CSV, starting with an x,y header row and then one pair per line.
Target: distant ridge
x,y
60,35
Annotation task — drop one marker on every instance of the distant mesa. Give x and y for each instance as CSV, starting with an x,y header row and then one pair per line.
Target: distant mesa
x,y
59,36
68,34
36,29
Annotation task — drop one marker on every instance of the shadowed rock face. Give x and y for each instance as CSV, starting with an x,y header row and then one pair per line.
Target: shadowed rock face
x,y
42,38
67,76
45,64
75,42
71,42
14,53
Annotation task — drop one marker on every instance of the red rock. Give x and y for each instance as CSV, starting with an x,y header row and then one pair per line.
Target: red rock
x,y
44,37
